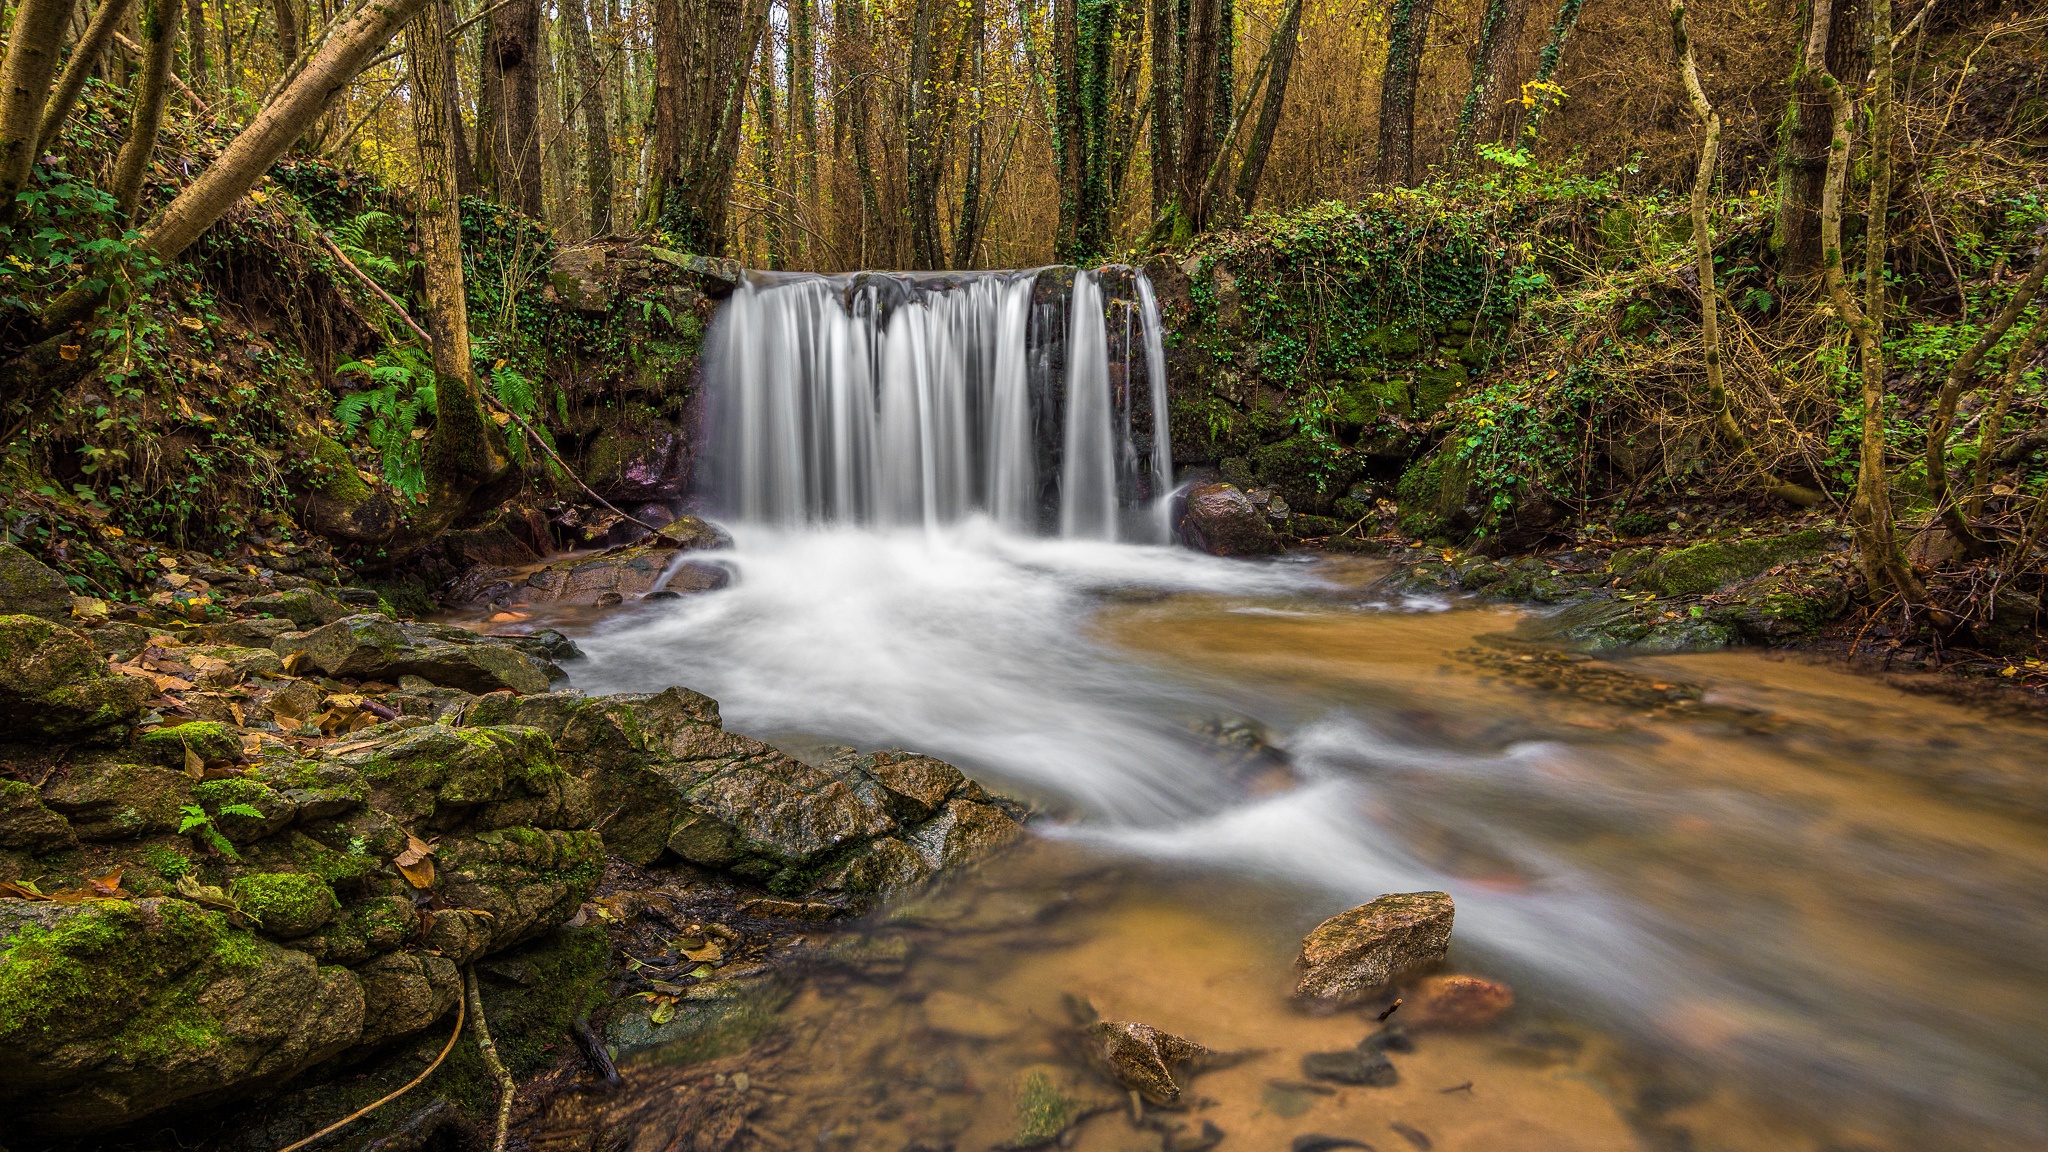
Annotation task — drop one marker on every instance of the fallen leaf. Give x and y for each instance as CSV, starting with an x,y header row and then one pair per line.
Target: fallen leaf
x,y
108,885
69,351
171,684
241,720
419,875
193,323
297,662
664,1012
195,765
710,953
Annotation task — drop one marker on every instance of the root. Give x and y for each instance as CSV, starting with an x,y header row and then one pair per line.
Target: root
x,y
359,1113
492,1064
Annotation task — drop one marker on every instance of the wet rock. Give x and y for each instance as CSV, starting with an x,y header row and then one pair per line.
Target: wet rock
x,y
53,683
105,799
126,1009
403,992
1458,1002
690,533
1388,1038
285,904
1220,520
526,880
627,574
1607,626
1369,1067
1140,1057
1712,564
26,824
1316,1142
1046,1106
441,777
305,607
30,588
365,647
255,632
637,456
690,576
1354,953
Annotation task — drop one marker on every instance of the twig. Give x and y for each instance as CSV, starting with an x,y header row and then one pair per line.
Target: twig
x,y
557,458
459,29
134,49
414,1083
493,1065
349,264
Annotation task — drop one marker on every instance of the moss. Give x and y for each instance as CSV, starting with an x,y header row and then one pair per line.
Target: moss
x,y
286,903
1044,1111
212,741
331,471
1308,472
438,764
1434,387
213,795
168,862
86,976
1713,563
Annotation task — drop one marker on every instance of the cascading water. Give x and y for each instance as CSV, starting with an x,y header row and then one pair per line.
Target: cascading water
x,y
899,399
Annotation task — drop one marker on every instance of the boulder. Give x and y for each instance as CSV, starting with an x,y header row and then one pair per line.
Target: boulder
x,y
28,587
403,992
26,825
305,607
1222,521
636,456
1363,1066
439,778
120,1010
1354,954
1712,564
106,799
367,647
53,683
1457,1002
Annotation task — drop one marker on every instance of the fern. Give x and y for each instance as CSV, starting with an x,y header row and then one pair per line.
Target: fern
x,y
359,239
387,416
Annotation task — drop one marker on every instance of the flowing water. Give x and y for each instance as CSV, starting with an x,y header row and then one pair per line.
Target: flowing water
x,y
1775,913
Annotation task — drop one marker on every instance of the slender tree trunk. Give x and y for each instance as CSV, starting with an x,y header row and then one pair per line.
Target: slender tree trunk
x,y
1200,66
1702,224
1166,112
1870,509
159,46
967,233
1407,36
1069,152
459,156
1994,424
1500,26
597,136
859,56
511,71
290,34
195,44
1281,53
1097,28
771,145
85,56
920,139
1546,67
32,44
803,113
1959,376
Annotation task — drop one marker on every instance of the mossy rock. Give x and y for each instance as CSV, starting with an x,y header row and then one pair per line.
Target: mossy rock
x,y
26,824
305,607
1432,494
1046,1106
362,930
110,800
1395,341
28,587
211,741
715,1019
528,880
229,802
53,683
1712,564
1436,385
1785,606
1307,472
286,904
121,1010
440,776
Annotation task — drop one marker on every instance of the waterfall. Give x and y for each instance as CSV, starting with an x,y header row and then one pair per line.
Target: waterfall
x,y
901,399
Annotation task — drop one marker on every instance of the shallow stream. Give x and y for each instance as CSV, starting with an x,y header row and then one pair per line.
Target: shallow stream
x,y
1743,902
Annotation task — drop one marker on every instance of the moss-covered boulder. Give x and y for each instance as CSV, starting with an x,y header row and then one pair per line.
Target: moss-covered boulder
x,y
438,777
53,683
105,798
121,1010
364,929
526,880
305,607
212,742
1779,607
1712,564
244,809
372,647
403,992
28,587
285,904
26,824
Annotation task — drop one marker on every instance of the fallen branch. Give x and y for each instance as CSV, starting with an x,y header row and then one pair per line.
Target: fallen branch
x,y
493,1065
359,1113
134,49
388,298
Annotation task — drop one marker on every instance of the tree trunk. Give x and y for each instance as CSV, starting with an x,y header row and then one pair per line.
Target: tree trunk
x,y
1702,226
1959,375
1281,53
1870,510
1166,61
159,46
1803,141
1544,96
32,45
771,145
1407,36
511,78
1069,153
967,233
459,156
290,36
85,56
195,44
1500,27
857,56
597,137
802,131
1200,65
703,55
1994,424
920,139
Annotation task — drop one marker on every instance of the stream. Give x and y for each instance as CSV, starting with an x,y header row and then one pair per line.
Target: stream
x,y
1744,902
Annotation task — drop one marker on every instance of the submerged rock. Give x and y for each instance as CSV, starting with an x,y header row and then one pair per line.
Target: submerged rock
x,y
1222,521
1355,953
1364,1066
1458,1002
1140,1057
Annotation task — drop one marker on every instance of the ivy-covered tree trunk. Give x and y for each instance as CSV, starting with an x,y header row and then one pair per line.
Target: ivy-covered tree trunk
x,y
1407,36
597,135
771,145
1804,135
1500,26
1281,53
159,47
921,158
85,57
802,132
1166,60
856,58
1069,154
703,55
1542,96
967,233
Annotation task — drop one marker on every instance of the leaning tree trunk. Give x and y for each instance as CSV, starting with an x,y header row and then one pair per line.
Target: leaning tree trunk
x,y
159,44
1282,56
597,136
1544,95
42,369
1407,36
1994,424
85,56
32,44
1500,26
511,78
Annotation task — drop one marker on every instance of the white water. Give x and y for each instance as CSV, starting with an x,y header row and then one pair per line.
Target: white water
x,y
897,400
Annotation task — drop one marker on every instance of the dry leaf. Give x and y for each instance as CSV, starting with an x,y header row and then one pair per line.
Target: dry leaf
x,y
297,662
241,720
710,953
416,862
171,683
69,351
108,885
195,765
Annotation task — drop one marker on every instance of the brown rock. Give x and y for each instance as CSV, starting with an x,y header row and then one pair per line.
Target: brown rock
x,y
1222,521
1354,953
1140,1057
1458,1002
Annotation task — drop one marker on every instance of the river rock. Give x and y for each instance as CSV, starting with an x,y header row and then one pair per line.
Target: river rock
x,y
54,683
306,607
369,647
28,587
1364,1066
1457,1002
1140,1057
1222,521
1355,953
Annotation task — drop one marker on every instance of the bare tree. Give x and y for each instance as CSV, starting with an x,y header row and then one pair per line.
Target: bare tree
x,y
1281,53
85,56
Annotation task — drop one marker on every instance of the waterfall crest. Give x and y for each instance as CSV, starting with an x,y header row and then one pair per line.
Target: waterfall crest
x,y
907,399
